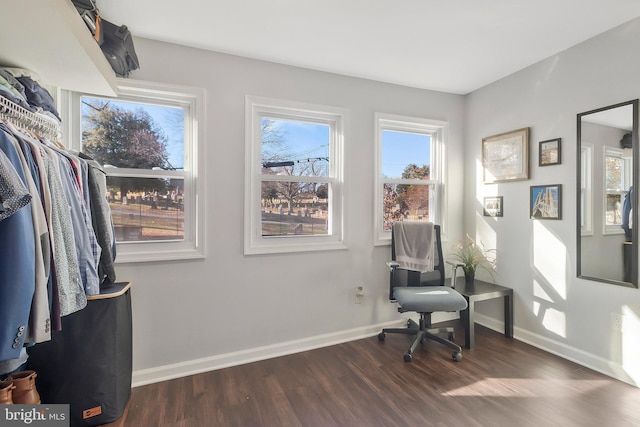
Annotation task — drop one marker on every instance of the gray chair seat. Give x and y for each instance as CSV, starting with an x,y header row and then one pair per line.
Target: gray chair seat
x,y
422,292
428,299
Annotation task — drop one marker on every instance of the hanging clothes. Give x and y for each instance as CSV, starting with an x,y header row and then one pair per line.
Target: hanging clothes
x,y
101,219
39,329
17,275
57,234
85,241
13,193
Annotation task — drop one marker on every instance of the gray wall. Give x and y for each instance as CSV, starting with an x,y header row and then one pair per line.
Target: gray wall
x,y
554,309
230,308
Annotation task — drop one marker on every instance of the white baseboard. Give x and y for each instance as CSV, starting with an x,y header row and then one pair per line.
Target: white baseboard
x,y
191,367
196,366
588,360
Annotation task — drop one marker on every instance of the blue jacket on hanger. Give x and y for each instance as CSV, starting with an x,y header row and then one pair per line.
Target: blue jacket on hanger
x,y
17,273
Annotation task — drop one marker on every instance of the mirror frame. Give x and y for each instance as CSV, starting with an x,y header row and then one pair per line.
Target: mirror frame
x,y
634,181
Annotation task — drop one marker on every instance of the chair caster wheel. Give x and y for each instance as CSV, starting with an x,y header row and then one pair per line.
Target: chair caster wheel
x,y
408,357
381,336
457,356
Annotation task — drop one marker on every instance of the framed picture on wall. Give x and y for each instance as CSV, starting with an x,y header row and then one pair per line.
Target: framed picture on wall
x,y
492,206
549,152
505,157
546,201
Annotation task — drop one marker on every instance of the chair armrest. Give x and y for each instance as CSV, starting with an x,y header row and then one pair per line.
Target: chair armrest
x,y
392,265
454,264
454,268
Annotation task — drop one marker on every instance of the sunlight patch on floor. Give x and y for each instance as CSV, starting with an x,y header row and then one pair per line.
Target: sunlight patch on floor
x,y
522,387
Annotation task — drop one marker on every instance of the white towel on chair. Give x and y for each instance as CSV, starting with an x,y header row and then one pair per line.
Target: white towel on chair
x,y
414,244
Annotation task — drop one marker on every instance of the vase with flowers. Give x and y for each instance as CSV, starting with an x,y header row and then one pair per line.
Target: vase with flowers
x,y
473,257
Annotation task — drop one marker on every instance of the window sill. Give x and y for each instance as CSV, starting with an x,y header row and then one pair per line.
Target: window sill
x,y
135,257
289,248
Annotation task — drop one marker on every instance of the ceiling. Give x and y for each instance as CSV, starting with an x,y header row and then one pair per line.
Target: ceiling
x,y
454,46
620,117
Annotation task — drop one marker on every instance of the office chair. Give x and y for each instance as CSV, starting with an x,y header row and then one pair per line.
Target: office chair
x,y
423,293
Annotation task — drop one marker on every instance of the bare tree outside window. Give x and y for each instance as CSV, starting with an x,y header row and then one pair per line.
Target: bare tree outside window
x,y
294,155
135,142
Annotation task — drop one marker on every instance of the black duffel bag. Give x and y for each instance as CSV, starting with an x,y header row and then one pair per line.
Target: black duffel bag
x,y
118,48
89,13
85,5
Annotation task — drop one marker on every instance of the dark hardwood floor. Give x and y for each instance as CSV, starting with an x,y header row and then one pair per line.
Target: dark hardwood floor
x,y
501,382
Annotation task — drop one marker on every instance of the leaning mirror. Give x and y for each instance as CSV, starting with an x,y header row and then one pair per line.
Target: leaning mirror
x,y
607,174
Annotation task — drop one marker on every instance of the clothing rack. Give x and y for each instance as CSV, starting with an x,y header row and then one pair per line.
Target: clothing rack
x,y
34,122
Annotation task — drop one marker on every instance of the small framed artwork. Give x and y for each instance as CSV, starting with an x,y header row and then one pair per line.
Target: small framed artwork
x,y
546,201
492,206
550,152
505,157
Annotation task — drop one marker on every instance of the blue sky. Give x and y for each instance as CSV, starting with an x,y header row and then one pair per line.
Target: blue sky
x,y
535,191
304,139
399,149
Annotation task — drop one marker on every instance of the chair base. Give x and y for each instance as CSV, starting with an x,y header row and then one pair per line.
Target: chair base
x,y
422,332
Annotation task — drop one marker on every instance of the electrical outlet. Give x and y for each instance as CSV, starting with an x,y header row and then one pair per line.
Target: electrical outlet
x,y
359,295
617,322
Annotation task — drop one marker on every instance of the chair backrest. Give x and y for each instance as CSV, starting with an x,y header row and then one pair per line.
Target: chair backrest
x,y
401,277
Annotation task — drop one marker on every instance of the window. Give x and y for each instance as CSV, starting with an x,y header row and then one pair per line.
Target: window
x,y
147,138
294,183
409,172
617,180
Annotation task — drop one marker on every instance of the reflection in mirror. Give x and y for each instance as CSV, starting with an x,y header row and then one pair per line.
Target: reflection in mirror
x,y
607,174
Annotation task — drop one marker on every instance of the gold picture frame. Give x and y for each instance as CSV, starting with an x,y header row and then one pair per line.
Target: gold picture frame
x,y
505,157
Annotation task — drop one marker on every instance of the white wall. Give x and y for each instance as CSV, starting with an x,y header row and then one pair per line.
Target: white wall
x,y
554,309
230,308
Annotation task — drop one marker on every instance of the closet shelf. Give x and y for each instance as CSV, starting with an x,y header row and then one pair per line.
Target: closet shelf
x,y
50,38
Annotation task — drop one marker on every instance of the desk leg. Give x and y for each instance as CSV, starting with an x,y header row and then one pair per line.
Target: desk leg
x,y
469,319
508,315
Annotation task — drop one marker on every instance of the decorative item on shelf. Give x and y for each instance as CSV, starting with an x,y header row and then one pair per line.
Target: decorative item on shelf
x,y
472,257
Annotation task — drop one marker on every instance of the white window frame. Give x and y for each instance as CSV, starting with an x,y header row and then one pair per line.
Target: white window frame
x,y
438,130
626,182
586,189
337,118
192,101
